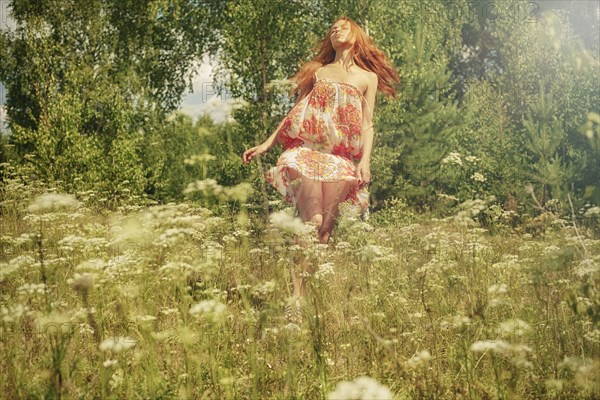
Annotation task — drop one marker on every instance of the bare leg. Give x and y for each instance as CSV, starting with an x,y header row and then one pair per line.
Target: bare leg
x,y
333,194
309,200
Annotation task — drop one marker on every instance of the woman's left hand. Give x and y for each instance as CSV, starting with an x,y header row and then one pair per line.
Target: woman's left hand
x,y
363,173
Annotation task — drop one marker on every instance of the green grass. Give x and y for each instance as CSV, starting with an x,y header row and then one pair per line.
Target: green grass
x,y
429,308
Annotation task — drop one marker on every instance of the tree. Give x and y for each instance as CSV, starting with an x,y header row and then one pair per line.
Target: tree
x,y
415,132
84,80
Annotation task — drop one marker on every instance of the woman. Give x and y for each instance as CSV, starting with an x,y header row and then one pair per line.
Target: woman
x,y
328,134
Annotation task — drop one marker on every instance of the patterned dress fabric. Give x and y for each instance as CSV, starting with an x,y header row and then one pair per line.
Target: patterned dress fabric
x,y
322,139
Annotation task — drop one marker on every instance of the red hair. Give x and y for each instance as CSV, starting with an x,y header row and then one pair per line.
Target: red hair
x,y
365,54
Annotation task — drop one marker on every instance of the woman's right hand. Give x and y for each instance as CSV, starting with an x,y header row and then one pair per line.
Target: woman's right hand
x,y
254,151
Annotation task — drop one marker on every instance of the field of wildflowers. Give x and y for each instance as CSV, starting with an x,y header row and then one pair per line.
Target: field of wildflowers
x,y
172,301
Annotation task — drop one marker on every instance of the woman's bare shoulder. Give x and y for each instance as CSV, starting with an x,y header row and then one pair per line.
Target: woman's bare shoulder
x,y
365,77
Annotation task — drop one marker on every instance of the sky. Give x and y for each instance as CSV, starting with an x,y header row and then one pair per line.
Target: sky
x,y
204,98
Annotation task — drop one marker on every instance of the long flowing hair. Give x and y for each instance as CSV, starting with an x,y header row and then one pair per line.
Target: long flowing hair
x,y
364,53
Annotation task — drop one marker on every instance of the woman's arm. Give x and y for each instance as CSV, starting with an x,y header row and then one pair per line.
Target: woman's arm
x,y
369,132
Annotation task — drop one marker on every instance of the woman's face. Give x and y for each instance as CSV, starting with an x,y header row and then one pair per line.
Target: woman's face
x,y
341,33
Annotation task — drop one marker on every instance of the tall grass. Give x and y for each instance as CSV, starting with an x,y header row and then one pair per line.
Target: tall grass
x,y
172,301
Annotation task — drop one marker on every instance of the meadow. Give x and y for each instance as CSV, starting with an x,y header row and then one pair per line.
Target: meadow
x,y
173,301
141,258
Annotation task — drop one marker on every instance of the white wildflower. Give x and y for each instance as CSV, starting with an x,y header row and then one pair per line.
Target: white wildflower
x,y
371,252
497,289
117,344
205,186
116,380
361,388
554,386
239,192
145,318
587,267
513,327
85,329
53,201
419,359
341,245
32,288
457,321
12,313
454,158
15,265
592,211
210,309
285,222
478,177
109,363
94,264
448,197
324,271
497,346
593,336
199,159
264,289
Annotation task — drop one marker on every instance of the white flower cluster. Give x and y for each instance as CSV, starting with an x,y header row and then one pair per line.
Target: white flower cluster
x,y
264,289
48,202
361,388
497,289
497,346
212,310
588,267
447,197
12,313
508,262
172,236
239,192
324,270
205,185
371,252
117,344
593,336
515,327
453,158
518,352
14,265
456,321
285,222
478,177
471,208
498,295
418,360
94,264
32,288
116,379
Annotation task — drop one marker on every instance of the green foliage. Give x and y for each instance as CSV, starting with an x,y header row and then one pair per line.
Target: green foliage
x,y
414,132
543,137
90,88
93,84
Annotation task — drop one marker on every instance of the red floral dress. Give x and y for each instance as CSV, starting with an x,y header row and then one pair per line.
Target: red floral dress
x,y
322,138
